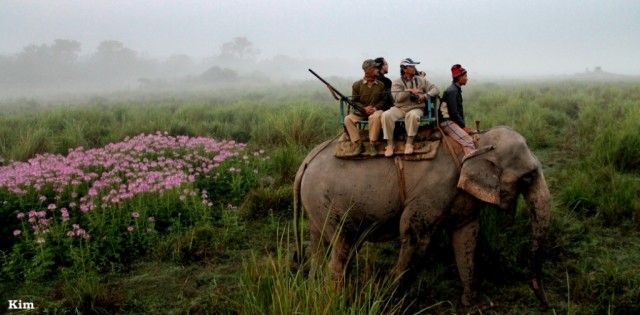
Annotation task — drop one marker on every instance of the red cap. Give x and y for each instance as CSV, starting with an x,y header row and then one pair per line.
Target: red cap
x,y
457,70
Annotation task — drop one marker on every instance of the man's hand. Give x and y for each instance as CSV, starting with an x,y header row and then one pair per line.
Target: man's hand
x,y
370,110
468,130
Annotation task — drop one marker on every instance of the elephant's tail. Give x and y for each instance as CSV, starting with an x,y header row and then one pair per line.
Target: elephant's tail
x,y
298,252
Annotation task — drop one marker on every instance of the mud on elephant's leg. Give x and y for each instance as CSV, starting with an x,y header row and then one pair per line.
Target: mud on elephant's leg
x,y
318,252
339,260
412,247
464,241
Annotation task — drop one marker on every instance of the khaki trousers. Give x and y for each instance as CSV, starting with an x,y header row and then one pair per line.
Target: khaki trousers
x,y
374,126
411,121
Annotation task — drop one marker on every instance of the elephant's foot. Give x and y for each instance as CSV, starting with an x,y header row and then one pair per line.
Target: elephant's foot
x,y
538,289
477,305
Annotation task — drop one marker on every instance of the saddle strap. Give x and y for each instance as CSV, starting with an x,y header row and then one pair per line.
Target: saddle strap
x,y
451,150
400,169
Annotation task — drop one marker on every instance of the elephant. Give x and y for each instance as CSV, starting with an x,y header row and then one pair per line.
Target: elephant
x,y
382,200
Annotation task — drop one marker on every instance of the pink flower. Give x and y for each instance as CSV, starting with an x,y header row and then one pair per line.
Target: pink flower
x,y
20,215
17,232
130,228
40,240
65,214
152,219
135,214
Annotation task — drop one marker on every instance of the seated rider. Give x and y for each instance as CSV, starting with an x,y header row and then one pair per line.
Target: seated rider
x,y
384,69
451,113
368,94
410,92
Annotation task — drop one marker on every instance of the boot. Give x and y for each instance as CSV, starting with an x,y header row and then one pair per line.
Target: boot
x,y
373,150
357,151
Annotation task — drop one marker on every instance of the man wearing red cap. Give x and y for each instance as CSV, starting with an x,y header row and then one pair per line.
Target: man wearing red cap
x,y
451,113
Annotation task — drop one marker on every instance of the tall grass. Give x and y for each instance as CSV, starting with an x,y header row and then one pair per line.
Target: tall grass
x,y
270,284
585,135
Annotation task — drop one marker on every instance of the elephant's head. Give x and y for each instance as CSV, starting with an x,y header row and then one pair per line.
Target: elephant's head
x,y
498,176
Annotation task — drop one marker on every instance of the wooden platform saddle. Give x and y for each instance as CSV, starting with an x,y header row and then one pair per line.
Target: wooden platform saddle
x,y
425,146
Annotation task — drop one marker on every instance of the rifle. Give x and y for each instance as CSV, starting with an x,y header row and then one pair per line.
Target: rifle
x,y
333,91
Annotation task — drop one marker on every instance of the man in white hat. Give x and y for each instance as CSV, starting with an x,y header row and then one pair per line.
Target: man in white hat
x,y
410,91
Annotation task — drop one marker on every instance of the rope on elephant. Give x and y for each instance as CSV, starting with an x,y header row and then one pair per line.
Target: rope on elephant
x,y
400,169
450,148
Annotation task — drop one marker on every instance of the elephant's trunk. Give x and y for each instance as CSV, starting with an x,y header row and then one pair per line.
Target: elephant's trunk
x,y
538,198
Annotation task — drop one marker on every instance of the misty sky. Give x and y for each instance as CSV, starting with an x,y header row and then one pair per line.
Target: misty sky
x,y
490,37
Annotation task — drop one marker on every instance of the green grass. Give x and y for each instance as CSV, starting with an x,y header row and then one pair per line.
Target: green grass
x,y
236,259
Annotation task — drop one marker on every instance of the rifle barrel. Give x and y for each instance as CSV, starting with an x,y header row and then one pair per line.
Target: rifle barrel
x,y
342,97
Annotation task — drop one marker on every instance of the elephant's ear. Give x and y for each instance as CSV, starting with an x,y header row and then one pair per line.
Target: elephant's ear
x,y
481,178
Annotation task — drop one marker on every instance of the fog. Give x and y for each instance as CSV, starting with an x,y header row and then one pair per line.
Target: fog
x,y
74,45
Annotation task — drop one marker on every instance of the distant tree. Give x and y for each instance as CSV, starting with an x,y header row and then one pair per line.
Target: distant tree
x,y
238,54
240,48
34,53
6,76
33,65
65,50
217,74
177,65
114,62
112,51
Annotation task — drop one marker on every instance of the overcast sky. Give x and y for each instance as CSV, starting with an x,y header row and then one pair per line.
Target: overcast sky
x,y
491,37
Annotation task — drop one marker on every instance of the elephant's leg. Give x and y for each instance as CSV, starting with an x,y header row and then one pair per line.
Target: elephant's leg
x,y
415,240
464,241
410,248
418,225
404,259
318,251
339,259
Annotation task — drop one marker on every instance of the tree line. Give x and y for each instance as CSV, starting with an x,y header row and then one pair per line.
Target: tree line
x,y
61,66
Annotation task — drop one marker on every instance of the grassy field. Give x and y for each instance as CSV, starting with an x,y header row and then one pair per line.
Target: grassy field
x,y
181,203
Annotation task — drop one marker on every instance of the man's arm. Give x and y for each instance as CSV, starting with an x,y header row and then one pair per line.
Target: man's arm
x,y
431,89
355,92
399,91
